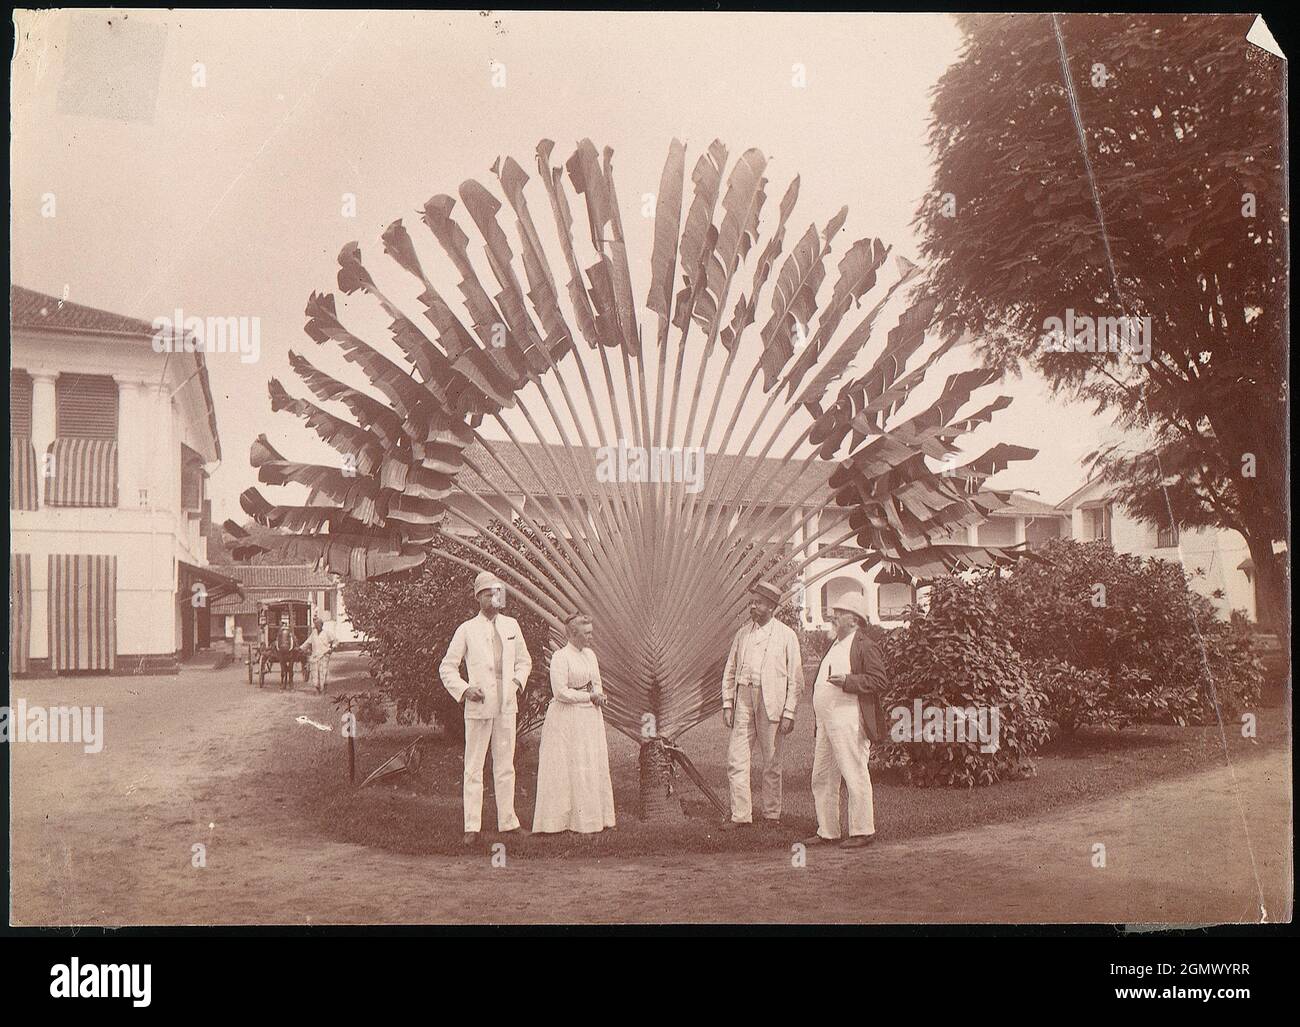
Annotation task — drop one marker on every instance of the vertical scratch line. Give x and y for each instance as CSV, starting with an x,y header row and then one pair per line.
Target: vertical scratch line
x,y
1114,278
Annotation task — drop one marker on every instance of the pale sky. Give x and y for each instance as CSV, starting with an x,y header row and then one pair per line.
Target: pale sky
x,y
226,197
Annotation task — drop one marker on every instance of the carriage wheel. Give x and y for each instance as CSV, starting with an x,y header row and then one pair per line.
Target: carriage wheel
x,y
261,675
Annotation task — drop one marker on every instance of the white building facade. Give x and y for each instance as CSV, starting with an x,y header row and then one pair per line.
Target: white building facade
x,y
111,445
1217,560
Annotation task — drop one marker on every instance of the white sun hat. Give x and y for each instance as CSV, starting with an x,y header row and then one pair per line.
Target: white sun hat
x,y
855,604
487,580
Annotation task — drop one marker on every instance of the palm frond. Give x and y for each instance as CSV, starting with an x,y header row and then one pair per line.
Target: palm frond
x,y
497,417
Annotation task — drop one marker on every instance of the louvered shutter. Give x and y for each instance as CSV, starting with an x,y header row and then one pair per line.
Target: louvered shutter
x,y
20,403
85,407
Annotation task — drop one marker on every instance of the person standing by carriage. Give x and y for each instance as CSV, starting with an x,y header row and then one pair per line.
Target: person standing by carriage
x,y
286,650
319,645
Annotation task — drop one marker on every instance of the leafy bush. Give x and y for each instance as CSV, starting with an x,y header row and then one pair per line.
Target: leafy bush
x,y
1073,697
956,656
409,618
1159,644
814,643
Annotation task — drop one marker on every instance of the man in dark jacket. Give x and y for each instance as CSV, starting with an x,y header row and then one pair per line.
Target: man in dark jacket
x,y
847,703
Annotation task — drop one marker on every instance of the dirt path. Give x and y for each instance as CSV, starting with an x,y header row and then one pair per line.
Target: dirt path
x,y
107,839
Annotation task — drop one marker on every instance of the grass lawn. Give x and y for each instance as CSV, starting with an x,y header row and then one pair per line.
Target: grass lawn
x,y
421,813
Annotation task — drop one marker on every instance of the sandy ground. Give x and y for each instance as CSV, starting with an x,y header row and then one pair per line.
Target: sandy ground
x,y
108,839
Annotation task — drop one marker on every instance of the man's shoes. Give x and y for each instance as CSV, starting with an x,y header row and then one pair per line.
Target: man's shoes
x,y
733,825
470,838
857,841
516,832
819,840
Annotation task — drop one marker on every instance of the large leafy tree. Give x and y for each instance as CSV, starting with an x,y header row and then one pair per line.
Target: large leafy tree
x,y
1146,182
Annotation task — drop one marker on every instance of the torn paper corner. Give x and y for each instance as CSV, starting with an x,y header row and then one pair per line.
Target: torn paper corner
x,y
1263,38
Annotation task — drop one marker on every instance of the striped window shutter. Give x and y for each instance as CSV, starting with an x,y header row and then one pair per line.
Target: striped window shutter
x,y
20,611
20,403
85,473
85,407
82,612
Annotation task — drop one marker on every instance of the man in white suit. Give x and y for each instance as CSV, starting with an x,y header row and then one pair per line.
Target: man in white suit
x,y
492,648
760,690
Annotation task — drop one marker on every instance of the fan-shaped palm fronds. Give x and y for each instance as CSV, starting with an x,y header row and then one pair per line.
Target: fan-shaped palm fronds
x,y
505,412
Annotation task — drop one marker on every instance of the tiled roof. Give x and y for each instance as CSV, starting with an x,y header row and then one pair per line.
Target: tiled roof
x,y
30,309
1022,504
35,311
555,473
294,575
272,581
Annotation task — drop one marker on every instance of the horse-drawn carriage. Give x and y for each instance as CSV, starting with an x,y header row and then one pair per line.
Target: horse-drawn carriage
x,y
277,648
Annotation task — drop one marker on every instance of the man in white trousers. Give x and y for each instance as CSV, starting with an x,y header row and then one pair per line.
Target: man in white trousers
x,y
847,696
493,649
760,690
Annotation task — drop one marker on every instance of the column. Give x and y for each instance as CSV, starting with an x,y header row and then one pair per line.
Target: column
x,y
159,450
133,438
43,423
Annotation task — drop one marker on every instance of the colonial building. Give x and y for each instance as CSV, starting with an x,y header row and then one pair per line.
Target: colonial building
x,y
1217,560
110,447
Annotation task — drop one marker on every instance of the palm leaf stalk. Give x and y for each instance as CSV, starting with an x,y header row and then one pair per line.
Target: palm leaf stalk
x,y
504,413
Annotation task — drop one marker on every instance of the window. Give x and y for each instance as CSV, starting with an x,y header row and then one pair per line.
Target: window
x,y
85,407
1167,538
1041,529
997,531
192,480
893,599
23,488
20,403
84,451
1096,523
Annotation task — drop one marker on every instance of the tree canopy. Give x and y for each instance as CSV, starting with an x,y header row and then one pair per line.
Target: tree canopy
x,y
1147,183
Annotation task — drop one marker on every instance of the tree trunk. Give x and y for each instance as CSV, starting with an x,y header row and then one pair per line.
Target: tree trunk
x,y
660,801
1272,609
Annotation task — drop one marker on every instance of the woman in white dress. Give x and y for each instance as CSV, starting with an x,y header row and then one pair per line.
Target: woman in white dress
x,y
573,787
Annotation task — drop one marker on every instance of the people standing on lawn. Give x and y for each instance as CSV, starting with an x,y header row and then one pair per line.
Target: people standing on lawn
x,y
319,645
760,690
574,792
492,648
847,703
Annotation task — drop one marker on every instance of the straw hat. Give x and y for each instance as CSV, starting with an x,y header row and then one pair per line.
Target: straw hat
x,y
767,591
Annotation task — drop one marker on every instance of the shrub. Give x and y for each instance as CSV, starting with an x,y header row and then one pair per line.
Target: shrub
x,y
1159,644
814,643
955,655
409,618
1073,697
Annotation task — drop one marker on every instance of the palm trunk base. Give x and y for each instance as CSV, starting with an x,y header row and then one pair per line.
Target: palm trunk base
x,y
660,798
